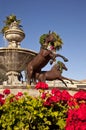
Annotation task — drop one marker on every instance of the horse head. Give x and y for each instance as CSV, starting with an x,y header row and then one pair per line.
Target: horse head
x,y
49,38
61,66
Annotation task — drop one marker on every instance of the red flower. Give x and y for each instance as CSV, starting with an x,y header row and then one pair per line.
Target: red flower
x,y
12,100
82,112
80,95
76,118
56,91
19,94
54,99
72,120
16,97
76,125
6,91
70,127
43,96
1,95
2,101
41,85
82,125
47,102
65,96
72,102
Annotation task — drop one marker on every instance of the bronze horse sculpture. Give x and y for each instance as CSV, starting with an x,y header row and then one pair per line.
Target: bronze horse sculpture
x,y
42,59
53,74
38,62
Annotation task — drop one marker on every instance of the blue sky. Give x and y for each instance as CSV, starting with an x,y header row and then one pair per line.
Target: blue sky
x,y
66,17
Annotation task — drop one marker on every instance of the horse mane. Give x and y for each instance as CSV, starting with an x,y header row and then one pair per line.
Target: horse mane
x,y
58,66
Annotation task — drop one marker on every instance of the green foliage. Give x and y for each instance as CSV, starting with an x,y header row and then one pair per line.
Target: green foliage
x,y
60,65
42,38
9,19
29,113
57,43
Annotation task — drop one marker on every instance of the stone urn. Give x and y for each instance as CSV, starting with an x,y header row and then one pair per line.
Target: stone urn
x,y
14,35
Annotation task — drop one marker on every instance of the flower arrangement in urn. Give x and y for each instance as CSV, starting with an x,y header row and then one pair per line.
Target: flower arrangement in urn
x,y
9,20
51,41
12,31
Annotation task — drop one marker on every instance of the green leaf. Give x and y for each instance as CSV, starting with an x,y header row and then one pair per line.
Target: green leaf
x,y
41,115
48,122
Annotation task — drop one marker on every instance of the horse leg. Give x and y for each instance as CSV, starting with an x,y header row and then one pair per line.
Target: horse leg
x,y
29,73
34,81
68,79
64,58
62,81
29,81
42,78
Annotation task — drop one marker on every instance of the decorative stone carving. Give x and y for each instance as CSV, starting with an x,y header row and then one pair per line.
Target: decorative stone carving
x,y
14,35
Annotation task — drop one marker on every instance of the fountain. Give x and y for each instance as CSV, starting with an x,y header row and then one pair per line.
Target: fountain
x,y
13,58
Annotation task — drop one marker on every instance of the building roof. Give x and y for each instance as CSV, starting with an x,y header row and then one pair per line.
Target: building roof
x,y
83,81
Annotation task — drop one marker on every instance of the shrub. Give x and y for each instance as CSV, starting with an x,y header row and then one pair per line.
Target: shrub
x,y
51,110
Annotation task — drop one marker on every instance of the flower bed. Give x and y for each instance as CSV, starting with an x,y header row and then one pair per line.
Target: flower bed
x,y
51,110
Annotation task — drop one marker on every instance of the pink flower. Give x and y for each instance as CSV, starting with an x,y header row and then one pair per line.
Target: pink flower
x,y
6,91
